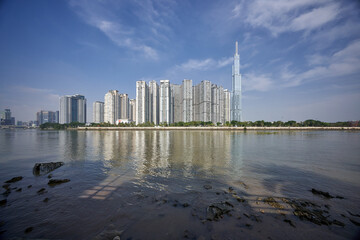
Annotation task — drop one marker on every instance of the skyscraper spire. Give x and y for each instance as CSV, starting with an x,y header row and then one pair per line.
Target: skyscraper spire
x,y
235,108
236,48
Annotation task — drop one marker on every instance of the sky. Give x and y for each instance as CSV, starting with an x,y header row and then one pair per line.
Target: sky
x,y
300,59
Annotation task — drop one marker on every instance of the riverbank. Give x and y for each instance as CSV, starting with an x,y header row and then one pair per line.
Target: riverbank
x,y
216,128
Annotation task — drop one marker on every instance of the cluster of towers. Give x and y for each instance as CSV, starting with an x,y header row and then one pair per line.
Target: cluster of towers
x,y
163,103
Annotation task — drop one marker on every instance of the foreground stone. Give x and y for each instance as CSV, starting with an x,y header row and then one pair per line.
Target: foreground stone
x,y
216,211
14,179
53,182
44,168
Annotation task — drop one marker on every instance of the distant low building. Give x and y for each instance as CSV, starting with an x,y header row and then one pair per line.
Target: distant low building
x,y
6,118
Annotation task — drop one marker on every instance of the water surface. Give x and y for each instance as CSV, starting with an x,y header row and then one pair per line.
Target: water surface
x,y
150,184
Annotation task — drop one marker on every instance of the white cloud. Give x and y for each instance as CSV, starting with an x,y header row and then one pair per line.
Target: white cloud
x,y
254,82
206,64
103,16
286,15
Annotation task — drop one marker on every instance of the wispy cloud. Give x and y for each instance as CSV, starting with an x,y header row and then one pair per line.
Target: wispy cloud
x,y
255,82
107,16
282,16
205,64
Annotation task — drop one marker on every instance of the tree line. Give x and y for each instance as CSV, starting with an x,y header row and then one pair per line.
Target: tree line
x,y
260,123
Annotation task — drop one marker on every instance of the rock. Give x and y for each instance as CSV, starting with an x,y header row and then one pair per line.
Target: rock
x,y
44,168
207,187
185,205
19,189
46,200
41,191
354,222
289,222
50,176
29,186
271,201
239,199
353,214
318,192
3,202
306,210
14,179
6,186
54,182
216,211
339,197
116,238
336,222
7,192
29,229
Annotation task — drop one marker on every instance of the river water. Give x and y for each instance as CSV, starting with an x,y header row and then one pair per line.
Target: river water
x,y
165,184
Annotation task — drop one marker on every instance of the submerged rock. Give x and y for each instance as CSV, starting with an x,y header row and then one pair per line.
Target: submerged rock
x,y
354,222
217,210
14,179
207,187
44,168
41,191
3,202
324,194
6,186
289,222
29,229
271,201
309,211
53,182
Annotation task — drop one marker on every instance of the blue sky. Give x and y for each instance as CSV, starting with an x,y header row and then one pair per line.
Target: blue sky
x,y
300,59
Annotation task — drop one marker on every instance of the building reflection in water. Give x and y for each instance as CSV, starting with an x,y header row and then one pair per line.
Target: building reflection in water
x,y
165,154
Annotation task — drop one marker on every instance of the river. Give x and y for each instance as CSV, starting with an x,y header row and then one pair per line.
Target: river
x,y
181,184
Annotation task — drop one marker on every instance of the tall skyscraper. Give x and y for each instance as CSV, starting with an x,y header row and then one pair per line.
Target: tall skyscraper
x,y
98,112
202,101
187,100
112,106
227,100
154,102
165,101
142,102
47,116
236,88
124,106
72,109
176,103
215,103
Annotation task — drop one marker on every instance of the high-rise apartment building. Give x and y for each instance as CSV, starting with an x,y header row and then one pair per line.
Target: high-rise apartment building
x,y
98,112
132,110
227,100
142,102
176,101
124,106
165,115
154,102
202,101
47,116
236,88
215,103
72,109
112,106
187,100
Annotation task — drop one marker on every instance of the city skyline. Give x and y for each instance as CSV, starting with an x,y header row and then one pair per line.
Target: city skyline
x,y
300,59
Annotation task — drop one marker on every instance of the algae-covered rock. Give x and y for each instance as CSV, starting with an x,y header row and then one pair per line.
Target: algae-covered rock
x,y
14,179
44,168
53,182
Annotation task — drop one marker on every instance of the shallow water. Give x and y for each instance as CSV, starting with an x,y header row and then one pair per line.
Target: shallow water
x,y
150,184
